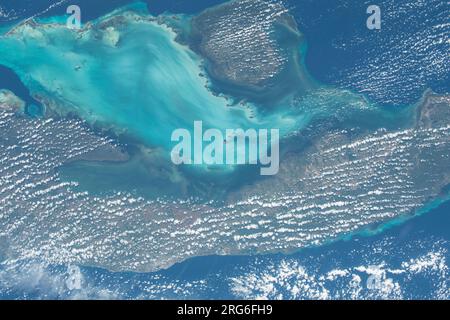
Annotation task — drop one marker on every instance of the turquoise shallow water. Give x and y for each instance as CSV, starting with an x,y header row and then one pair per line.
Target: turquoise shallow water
x,y
145,90
130,87
126,73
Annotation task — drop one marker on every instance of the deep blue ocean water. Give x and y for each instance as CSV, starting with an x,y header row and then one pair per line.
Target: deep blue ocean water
x,y
343,51
414,254
94,9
